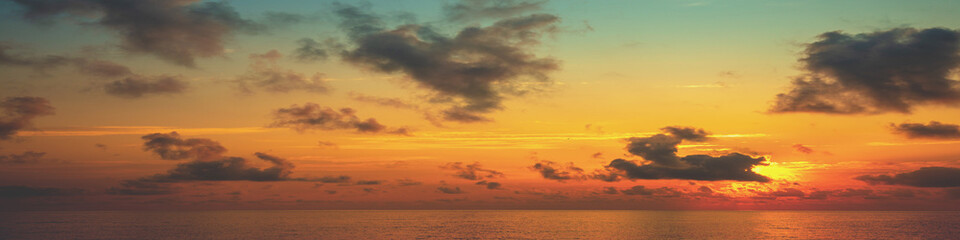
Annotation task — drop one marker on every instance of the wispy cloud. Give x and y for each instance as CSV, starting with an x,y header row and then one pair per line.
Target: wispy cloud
x,y
134,130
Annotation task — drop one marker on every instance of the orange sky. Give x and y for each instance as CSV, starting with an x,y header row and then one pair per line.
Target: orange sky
x,y
451,105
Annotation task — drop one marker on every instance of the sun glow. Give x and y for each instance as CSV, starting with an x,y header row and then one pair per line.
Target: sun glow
x,y
776,171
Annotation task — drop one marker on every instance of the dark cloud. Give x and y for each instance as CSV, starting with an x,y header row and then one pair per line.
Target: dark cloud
x,y
387,102
39,63
368,182
125,83
610,190
786,192
27,191
138,86
472,171
176,31
142,188
332,179
662,148
28,157
226,169
18,112
884,71
468,10
934,130
803,149
553,171
688,133
170,146
449,190
309,50
923,177
472,71
644,191
661,152
490,185
327,144
267,75
408,182
734,166
101,68
312,116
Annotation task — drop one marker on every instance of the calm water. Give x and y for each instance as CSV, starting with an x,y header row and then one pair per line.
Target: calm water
x,y
479,224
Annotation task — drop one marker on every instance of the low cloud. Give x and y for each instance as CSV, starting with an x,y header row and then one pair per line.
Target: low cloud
x,y
473,171
19,112
933,130
28,157
169,146
449,190
923,177
660,152
208,164
27,191
553,171
490,185
885,71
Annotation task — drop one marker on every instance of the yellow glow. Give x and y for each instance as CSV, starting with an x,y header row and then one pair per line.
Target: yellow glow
x,y
776,171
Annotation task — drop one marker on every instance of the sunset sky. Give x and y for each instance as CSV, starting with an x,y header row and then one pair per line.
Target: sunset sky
x,y
661,104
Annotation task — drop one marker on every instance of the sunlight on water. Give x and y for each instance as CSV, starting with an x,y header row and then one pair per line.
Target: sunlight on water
x,y
480,224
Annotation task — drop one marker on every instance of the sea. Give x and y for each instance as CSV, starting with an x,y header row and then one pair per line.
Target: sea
x,y
479,224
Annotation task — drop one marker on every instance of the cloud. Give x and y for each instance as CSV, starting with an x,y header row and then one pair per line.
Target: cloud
x,y
27,191
265,74
472,171
175,31
468,10
332,179
169,146
933,130
312,116
226,169
368,182
688,133
207,164
644,191
137,86
142,188
923,177
473,71
125,82
18,112
449,190
786,192
552,171
310,50
490,185
39,63
662,148
28,157
884,71
408,182
803,149
660,151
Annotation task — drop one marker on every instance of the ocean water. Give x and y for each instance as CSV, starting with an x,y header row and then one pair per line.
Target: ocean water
x,y
479,224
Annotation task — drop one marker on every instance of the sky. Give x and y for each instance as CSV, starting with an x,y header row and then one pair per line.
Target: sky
x,y
509,104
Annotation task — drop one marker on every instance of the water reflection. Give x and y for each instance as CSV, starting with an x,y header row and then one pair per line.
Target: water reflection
x,y
480,224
